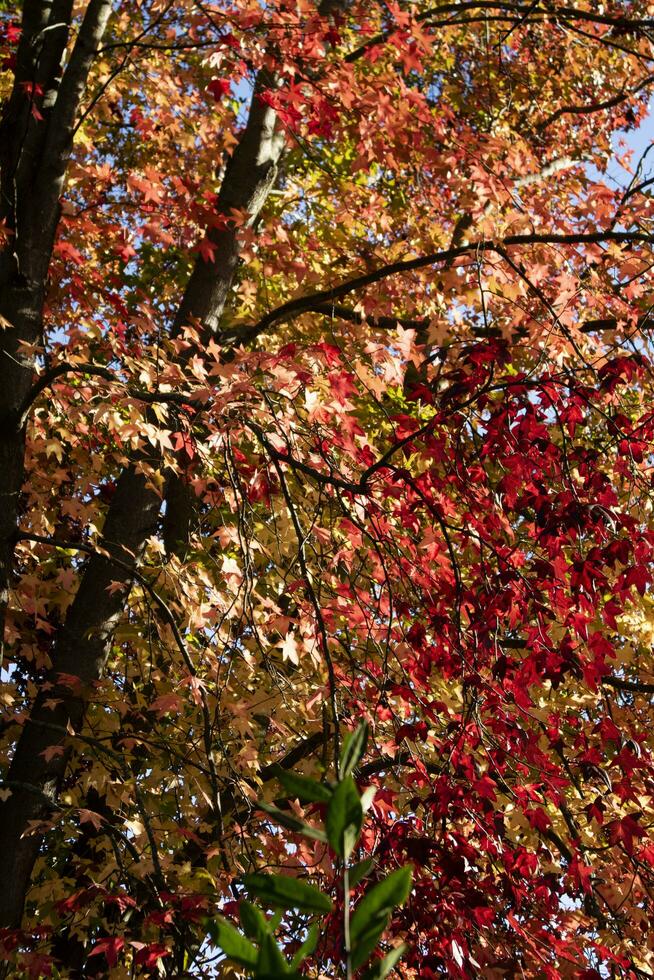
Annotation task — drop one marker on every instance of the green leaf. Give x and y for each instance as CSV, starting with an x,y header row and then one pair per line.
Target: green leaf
x,y
354,747
271,962
371,915
233,944
283,892
367,938
307,947
253,921
305,789
383,967
344,818
359,871
275,920
382,898
367,798
293,823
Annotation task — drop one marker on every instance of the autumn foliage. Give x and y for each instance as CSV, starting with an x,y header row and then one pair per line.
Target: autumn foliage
x,y
326,396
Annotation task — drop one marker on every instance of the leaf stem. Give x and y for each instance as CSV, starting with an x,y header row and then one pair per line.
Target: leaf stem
x,y
346,920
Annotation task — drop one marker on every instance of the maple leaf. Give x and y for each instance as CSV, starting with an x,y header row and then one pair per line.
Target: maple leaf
x,y
66,250
110,948
207,249
135,827
33,90
150,954
125,251
89,816
182,440
289,648
219,87
624,831
376,398
165,703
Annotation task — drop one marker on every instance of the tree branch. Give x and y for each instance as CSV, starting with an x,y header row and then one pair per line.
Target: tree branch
x,y
513,11
638,687
581,110
324,297
249,177
338,312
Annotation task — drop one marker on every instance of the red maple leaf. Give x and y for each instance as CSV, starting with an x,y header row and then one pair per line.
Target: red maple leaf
x,y
110,947
624,831
149,955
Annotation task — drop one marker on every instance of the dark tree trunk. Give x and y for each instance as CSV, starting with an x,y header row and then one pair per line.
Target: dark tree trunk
x,y
84,641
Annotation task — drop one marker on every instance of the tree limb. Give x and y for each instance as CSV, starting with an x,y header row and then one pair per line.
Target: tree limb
x,y
582,110
324,297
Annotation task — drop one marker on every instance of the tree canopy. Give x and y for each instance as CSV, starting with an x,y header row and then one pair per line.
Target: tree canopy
x,y
326,397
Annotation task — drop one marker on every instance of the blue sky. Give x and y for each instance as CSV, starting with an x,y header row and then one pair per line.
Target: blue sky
x,y
638,141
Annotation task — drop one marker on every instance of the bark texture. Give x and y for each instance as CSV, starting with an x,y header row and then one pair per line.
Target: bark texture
x,y
35,142
33,173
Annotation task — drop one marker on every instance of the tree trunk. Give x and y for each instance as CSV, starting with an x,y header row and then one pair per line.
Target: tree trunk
x,y
33,159
84,642
80,652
